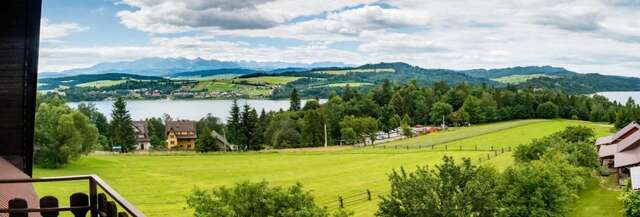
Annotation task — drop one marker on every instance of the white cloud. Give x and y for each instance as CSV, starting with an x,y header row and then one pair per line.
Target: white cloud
x,y
587,36
52,31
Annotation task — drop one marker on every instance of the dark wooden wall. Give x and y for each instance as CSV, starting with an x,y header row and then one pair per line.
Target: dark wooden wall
x,y
19,40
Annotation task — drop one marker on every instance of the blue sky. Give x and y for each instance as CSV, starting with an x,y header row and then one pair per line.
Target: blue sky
x,y
590,36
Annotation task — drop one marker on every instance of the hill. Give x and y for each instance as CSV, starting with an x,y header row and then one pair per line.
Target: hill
x,y
88,80
165,66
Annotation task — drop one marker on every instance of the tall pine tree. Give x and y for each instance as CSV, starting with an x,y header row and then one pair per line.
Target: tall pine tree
x,y
294,100
122,133
233,123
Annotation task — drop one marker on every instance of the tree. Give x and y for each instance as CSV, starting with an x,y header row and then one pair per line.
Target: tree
x,y
122,133
627,114
472,110
211,122
577,134
248,128
365,127
541,188
313,127
294,100
547,110
61,135
447,190
406,127
205,141
256,200
98,120
387,123
157,134
440,110
233,123
349,135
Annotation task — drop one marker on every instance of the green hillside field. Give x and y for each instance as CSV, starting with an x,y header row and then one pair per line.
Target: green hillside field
x,y
157,183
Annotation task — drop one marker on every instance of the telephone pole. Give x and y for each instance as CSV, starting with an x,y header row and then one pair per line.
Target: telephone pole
x,y
326,139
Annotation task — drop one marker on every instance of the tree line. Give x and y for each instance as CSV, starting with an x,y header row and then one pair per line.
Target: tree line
x,y
356,117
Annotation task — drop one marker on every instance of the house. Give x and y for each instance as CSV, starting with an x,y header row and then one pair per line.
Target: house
x,y
181,134
142,135
222,143
621,151
20,24
608,146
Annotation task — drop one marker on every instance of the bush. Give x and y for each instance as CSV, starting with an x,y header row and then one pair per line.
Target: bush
x,y
631,202
577,134
604,171
448,190
541,188
256,200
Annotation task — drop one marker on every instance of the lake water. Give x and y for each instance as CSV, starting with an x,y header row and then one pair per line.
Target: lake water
x,y
621,97
188,109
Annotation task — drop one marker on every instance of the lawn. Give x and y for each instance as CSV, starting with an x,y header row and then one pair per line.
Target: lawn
x,y
272,80
345,71
516,79
101,83
158,183
599,200
214,86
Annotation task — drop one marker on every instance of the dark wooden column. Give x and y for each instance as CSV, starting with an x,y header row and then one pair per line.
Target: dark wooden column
x,y
19,40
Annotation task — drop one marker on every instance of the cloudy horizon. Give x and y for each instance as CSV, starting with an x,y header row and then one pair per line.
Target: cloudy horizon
x,y
590,36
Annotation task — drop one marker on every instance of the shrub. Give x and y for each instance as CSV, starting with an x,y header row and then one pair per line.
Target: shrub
x,y
631,202
541,188
448,190
604,171
577,134
256,200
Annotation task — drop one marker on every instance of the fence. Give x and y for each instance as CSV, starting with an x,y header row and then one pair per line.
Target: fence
x,y
95,203
440,147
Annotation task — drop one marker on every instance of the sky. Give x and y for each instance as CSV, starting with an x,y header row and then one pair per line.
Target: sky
x,y
587,36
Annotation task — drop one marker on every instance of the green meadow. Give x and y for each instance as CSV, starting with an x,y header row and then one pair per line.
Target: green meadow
x,y
157,183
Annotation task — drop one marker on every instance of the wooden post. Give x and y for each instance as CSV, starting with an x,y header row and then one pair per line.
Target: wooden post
x,y
368,194
341,201
93,197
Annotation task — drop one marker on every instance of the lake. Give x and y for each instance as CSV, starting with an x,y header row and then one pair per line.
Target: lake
x,y
622,96
188,109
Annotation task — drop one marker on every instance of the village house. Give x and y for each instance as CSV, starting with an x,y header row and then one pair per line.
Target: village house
x,y
181,134
621,151
142,135
608,146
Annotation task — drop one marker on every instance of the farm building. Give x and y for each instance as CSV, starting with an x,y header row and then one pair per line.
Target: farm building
x,y
142,135
181,134
222,143
621,150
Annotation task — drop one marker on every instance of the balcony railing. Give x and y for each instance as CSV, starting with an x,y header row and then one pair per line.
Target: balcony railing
x,y
96,204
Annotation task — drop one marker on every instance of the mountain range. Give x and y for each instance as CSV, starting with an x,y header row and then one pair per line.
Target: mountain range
x,y
156,66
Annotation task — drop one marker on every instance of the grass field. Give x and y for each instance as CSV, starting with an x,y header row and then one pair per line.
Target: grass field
x,y
205,78
272,80
102,83
158,183
214,86
351,84
345,71
516,79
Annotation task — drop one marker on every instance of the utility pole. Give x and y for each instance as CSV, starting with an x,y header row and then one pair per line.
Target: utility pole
x,y
326,139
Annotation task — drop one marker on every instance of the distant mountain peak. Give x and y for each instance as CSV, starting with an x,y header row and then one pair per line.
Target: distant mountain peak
x,y
159,66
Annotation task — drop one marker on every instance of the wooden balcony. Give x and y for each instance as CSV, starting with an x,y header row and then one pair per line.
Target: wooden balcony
x,y
101,200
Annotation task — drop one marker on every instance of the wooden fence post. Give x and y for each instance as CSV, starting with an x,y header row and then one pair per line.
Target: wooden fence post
x,y
341,201
368,194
